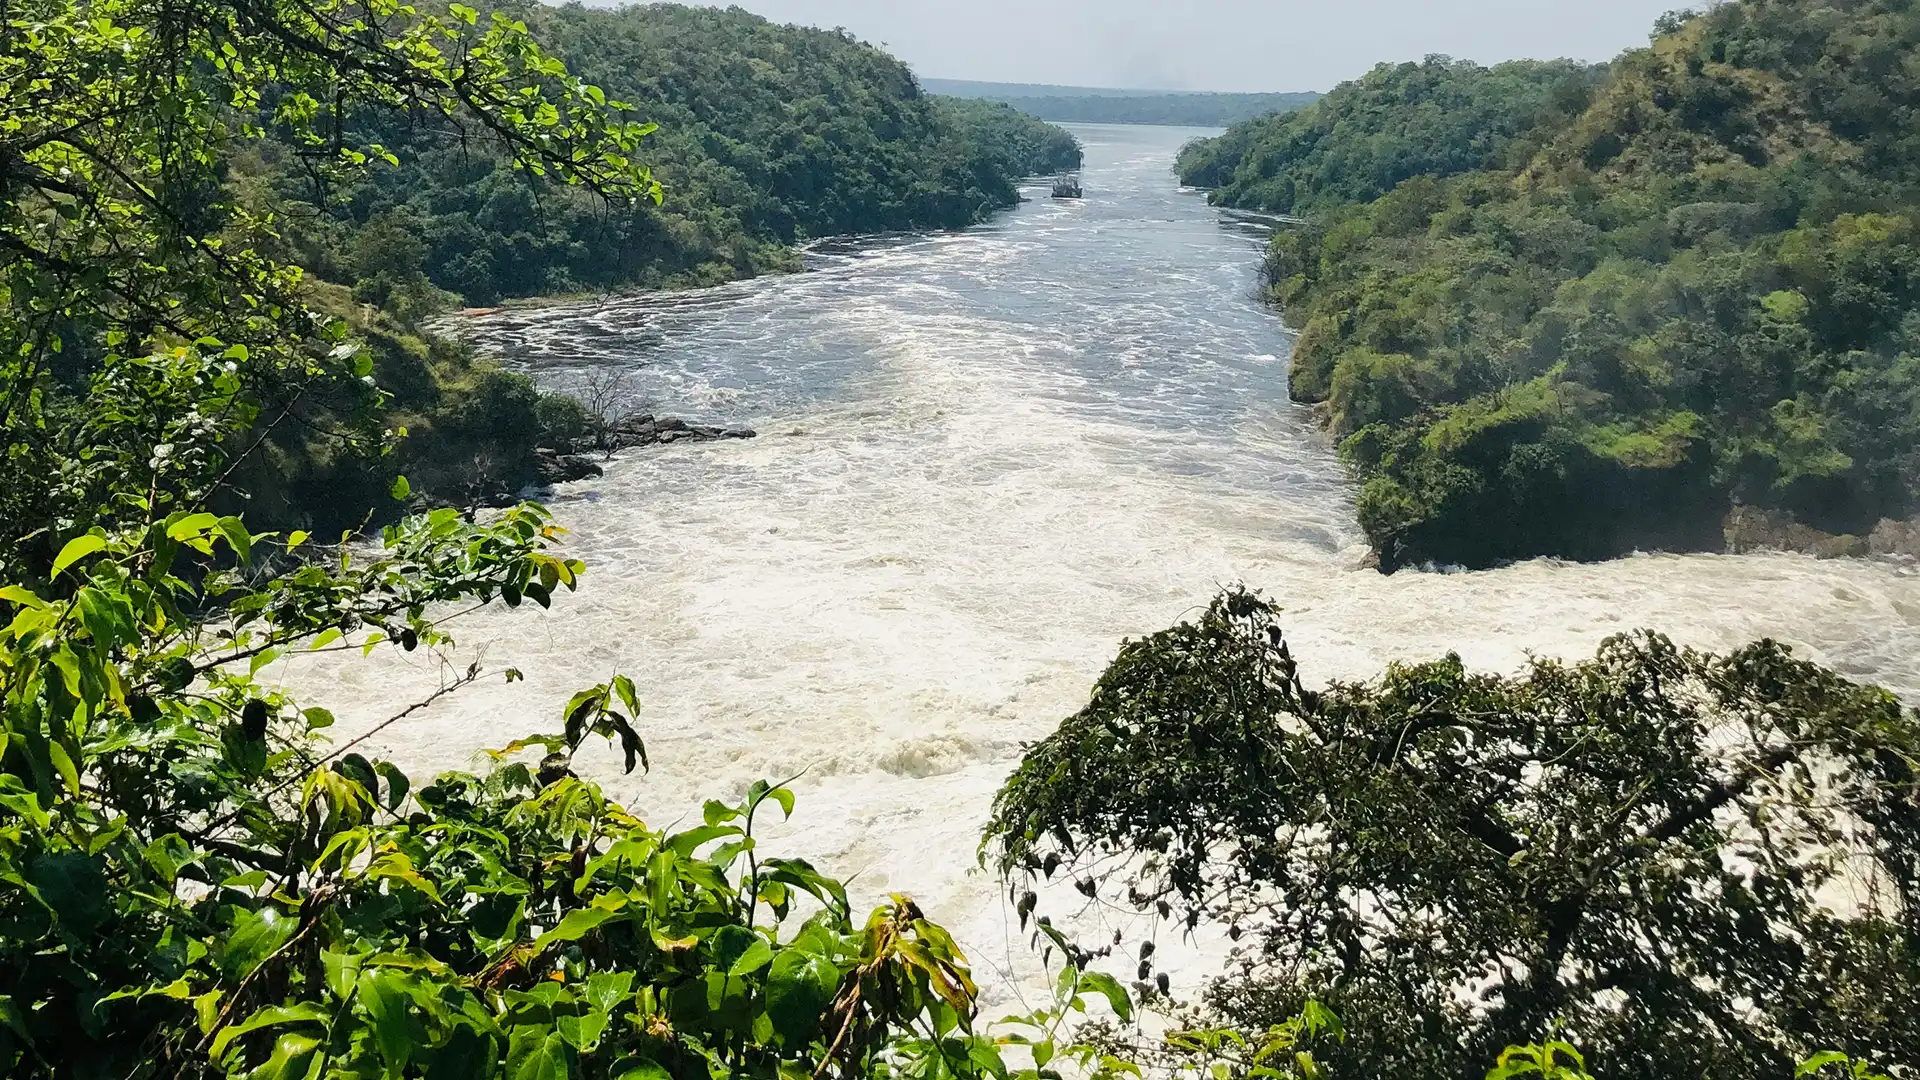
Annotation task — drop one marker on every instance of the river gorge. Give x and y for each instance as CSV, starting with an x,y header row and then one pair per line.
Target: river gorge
x,y
985,458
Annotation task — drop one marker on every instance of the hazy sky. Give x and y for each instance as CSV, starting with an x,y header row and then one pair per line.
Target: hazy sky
x,y
1218,44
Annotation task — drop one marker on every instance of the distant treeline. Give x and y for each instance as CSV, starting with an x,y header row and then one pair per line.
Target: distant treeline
x,y
1093,105
768,136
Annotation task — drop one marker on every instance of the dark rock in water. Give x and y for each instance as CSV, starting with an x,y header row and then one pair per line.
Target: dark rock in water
x,y
660,431
1753,529
557,468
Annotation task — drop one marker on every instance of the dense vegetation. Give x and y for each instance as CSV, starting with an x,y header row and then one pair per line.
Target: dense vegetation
x,y
768,136
1644,853
195,884
192,883
1699,292
1434,118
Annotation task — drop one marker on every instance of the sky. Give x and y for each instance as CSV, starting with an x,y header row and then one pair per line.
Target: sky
x,y
1237,45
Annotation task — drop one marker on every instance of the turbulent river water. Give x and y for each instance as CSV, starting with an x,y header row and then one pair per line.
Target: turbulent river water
x,y
985,458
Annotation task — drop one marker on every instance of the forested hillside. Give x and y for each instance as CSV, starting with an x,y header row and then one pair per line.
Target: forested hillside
x,y
767,135
1701,292
1438,117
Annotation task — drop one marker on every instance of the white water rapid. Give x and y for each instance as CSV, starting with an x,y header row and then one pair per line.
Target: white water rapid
x,y
985,458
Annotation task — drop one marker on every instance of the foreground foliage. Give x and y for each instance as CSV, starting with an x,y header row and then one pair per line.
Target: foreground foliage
x,y
192,883
1685,864
1697,292
153,351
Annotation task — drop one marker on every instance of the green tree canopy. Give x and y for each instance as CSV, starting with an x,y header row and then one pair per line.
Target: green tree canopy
x,y
770,135
1434,118
1687,864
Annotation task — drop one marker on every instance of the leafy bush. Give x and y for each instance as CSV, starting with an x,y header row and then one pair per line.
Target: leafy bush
x,y
563,420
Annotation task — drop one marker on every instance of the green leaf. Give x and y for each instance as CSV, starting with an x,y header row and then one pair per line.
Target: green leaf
x,y
382,993
292,1058
191,526
757,955
801,874
800,989
1108,987
762,790
1315,1018
74,885
341,970
397,783
731,942
17,595
400,489
63,763
607,989
108,618
582,1032
1820,1061
273,1016
642,1069
77,548
538,1059
623,686
238,538
687,842
577,924
256,935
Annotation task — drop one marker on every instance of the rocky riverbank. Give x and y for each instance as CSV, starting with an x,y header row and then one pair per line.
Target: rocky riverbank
x,y
1751,529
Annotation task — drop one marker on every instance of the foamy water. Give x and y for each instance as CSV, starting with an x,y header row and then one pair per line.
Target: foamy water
x,y
984,460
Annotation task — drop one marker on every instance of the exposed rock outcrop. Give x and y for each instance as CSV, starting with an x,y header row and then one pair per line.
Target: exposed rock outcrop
x,y
644,430
553,467
1752,529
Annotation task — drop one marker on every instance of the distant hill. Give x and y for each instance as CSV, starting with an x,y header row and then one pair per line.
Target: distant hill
x,y
1107,105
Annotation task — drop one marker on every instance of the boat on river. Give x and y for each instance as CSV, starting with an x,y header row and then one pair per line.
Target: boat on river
x,y
1066,187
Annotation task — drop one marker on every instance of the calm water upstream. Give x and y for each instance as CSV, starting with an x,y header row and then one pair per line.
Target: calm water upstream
x,y
984,459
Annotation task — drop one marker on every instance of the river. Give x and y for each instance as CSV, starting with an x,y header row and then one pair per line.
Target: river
x,y
985,458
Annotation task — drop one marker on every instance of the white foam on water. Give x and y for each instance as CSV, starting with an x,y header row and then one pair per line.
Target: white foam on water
x,y
985,459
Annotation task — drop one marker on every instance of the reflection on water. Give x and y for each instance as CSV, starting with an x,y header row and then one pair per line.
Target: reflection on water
x,y
986,458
